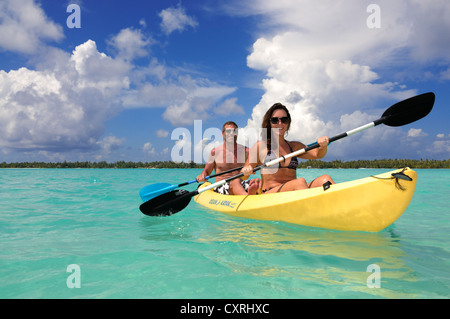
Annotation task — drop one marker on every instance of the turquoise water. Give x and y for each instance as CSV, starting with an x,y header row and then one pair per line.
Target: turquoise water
x,y
53,218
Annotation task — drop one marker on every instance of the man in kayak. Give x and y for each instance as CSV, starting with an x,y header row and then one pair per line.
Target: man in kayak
x,y
225,157
282,177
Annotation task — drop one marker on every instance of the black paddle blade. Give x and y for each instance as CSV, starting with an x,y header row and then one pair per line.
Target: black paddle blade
x,y
409,110
166,204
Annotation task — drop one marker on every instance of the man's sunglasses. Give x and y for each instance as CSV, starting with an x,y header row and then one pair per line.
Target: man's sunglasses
x,y
231,131
275,120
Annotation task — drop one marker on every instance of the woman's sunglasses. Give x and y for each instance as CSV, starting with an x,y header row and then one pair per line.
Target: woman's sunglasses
x,y
275,120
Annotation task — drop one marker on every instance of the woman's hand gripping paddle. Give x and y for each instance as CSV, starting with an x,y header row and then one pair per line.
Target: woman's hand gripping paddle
x,y
401,113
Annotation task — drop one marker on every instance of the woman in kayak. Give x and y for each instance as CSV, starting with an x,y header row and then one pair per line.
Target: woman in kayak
x,y
282,177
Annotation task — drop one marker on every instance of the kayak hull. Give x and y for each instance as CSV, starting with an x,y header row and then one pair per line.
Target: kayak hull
x,y
369,204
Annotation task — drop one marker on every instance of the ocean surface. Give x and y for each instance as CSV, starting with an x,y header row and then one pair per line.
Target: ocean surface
x,y
78,233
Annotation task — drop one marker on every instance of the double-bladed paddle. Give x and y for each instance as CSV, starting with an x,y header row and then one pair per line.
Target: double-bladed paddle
x,y
401,113
153,190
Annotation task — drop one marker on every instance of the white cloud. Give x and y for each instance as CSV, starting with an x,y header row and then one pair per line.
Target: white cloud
x,y
339,28
162,133
130,44
61,105
110,143
52,156
159,94
441,146
149,149
176,19
187,111
64,106
186,98
445,75
152,153
229,107
24,26
99,71
413,132
321,61
195,101
354,120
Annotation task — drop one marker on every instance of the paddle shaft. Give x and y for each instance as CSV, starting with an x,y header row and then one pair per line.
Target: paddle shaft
x,y
196,192
296,153
154,190
282,158
211,176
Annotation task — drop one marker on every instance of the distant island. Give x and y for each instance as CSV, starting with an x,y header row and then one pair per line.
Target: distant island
x,y
382,163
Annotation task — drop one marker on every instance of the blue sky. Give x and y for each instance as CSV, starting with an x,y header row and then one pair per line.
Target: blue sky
x,y
137,73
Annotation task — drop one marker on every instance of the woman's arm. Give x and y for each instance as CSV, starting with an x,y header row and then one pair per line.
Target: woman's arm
x,y
316,153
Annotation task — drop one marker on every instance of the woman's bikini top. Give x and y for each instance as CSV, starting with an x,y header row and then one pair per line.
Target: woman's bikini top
x,y
271,156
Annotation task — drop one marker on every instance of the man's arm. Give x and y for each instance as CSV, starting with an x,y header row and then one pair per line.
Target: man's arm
x,y
209,166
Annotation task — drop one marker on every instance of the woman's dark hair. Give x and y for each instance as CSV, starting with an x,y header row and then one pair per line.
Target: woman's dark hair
x,y
266,132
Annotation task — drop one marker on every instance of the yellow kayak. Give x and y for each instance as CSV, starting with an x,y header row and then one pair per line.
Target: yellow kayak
x,y
368,204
